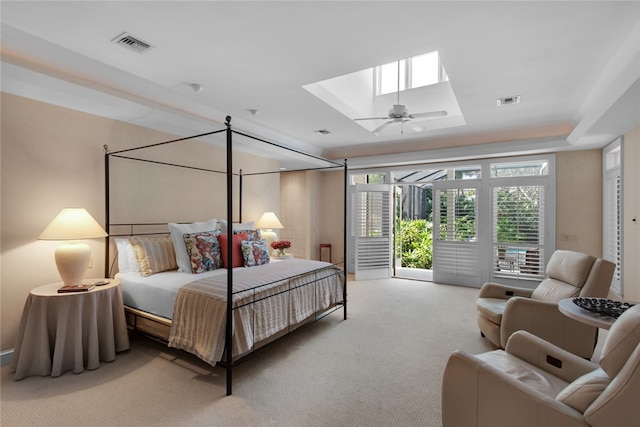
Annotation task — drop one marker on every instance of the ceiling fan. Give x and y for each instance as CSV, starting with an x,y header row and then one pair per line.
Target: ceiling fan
x,y
400,114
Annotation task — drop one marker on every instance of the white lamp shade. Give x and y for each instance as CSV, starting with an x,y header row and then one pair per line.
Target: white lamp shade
x,y
268,221
72,259
72,224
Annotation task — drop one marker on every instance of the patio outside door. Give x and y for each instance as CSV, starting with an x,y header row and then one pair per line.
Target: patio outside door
x,y
413,231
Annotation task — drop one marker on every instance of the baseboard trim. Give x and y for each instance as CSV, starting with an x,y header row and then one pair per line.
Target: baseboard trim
x,y
6,357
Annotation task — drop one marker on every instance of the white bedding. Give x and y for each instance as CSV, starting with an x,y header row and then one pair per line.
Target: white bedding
x,y
196,303
156,294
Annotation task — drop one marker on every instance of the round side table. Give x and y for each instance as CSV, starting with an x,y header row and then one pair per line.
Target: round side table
x,y
71,331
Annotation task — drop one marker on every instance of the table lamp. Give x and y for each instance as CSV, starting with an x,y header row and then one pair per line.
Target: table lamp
x,y
267,222
72,258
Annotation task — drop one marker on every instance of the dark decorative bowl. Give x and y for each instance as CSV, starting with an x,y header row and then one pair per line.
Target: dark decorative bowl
x,y
603,306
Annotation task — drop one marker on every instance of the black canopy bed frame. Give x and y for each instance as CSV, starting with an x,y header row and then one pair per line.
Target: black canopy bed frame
x,y
164,324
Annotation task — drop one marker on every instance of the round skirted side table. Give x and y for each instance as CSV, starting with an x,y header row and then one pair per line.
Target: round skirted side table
x,y
72,331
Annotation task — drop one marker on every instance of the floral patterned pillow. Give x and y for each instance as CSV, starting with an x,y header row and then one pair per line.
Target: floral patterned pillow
x,y
255,252
204,251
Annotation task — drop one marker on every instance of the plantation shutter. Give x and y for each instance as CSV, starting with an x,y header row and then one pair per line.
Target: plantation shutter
x,y
371,228
518,231
456,246
612,230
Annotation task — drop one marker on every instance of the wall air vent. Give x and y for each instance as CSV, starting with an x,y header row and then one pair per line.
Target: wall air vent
x,y
509,100
132,43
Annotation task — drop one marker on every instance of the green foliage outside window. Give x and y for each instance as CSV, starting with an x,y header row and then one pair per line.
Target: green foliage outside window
x,y
517,221
416,245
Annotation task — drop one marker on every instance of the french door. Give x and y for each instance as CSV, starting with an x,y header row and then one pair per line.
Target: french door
x,y
456,243
491,220
371,234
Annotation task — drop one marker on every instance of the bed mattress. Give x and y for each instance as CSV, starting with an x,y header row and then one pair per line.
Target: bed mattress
x,y
156,294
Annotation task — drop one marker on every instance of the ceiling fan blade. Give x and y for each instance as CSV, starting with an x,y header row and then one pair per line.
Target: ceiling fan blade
x,y
372,118
427,115
381,128
415,127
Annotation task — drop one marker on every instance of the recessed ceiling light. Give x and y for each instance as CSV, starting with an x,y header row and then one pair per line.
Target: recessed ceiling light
x,y
197,87
322,131
509,100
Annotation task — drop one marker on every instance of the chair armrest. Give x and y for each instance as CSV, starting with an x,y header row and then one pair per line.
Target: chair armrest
x,y
460,390
468,382
497,290
543,319
548,357
617,405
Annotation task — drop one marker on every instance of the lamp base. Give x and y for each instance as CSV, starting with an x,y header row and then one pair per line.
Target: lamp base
x,y
270,237
72,260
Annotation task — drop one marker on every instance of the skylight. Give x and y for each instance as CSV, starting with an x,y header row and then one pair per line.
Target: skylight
x,y
367,96
417,71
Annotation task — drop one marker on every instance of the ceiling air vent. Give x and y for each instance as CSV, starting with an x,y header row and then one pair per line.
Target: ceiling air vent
x,y
509,100
132,43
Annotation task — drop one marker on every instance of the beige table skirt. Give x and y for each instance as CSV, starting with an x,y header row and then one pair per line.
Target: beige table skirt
x,y
69,332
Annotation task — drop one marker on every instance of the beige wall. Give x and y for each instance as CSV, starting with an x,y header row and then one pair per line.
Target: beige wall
x,y
579,201
331,209
297,207
631,215
312,206
52,158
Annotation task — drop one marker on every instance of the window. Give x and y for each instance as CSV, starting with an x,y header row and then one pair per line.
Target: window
x,y
458,214
535,168
612,224
371,231
372,214
371,178
410,73
483,220
469,172
518,230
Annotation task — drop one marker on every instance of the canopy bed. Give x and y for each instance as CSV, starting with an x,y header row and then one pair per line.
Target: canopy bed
x,y
210,288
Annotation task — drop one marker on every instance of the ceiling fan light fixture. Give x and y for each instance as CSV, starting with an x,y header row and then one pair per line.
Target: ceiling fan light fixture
x,y
398,111
399,114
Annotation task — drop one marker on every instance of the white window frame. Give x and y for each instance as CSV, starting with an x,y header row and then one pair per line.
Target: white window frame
x,y
406,74
612,224
484,228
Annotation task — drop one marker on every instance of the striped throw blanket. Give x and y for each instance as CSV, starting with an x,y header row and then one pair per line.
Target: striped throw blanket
x,y
268,300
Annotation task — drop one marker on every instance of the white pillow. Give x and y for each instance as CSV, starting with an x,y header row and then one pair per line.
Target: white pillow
x,y
127,260
177,234
237,227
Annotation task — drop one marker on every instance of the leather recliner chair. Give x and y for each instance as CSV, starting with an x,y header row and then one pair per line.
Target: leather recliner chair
x,y
533,383
503,310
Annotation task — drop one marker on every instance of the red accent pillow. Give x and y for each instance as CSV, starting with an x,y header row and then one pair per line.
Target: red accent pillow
x,y
238,259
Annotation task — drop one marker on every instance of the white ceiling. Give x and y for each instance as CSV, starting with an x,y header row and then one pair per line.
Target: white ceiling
x,y
576,66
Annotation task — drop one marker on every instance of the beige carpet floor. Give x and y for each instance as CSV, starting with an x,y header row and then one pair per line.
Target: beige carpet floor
x,y
383,366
